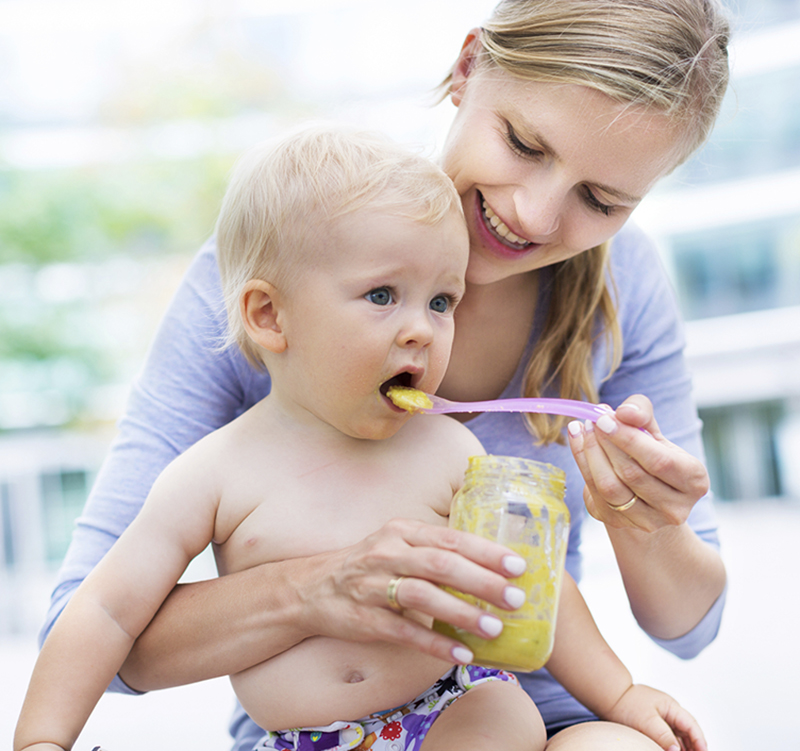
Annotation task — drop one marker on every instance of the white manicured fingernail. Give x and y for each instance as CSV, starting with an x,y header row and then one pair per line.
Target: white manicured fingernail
x,y
575,428
462,655
514,597
607,424
514,565
490,625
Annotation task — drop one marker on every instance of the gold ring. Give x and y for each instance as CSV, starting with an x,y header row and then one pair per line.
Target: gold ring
x,y
391,593
624,506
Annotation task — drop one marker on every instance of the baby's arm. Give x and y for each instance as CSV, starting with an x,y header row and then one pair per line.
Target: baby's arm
x,y
586,666
112,607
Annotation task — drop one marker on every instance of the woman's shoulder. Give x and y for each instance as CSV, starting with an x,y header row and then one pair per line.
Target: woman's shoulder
x,y
202,274
640,278
633,249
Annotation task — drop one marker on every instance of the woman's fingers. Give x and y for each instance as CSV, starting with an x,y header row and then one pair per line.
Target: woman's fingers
x,y
604,489
438,555
652,454
422,596
377,624
381,587
625,456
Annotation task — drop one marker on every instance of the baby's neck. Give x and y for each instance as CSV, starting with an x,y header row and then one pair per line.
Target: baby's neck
x,y
286,421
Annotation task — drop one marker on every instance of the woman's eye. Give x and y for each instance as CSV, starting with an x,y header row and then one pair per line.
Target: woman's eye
x,y
440,304
380,296
596,204
519,146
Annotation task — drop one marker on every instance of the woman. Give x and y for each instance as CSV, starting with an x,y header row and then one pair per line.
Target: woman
x,y
567,114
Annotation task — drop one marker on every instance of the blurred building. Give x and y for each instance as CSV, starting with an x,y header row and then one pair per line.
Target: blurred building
x,y
729,225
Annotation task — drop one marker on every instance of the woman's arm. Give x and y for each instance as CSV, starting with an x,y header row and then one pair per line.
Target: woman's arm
x,y
671,576
666,544
225,625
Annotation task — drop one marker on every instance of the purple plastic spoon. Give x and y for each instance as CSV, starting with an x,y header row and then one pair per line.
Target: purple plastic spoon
x,y
567,407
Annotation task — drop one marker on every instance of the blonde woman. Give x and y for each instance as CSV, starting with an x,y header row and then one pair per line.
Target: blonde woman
x,y
567,113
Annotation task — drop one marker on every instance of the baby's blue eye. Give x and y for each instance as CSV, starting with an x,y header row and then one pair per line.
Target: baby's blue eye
x,y
380,296
440,304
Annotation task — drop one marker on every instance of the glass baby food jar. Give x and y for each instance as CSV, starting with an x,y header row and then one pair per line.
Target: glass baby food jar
x,y
520,504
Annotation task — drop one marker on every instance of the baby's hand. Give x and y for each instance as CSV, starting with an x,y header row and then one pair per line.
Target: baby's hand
x,y
659,717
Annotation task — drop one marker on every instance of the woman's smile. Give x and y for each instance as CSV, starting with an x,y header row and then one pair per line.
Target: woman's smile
x,y
500,229
547,171
496,235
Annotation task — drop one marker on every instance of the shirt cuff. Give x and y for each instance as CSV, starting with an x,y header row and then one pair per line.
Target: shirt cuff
x,y
118,686
695,641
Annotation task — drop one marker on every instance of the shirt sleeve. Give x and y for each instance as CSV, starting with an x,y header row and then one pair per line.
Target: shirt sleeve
x,y
654,365
189,386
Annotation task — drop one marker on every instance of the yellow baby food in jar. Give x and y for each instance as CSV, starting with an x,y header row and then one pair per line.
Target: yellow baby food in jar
x,y
520,504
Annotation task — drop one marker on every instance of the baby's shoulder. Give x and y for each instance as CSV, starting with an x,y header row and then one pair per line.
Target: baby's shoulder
x,y
443,435
213,455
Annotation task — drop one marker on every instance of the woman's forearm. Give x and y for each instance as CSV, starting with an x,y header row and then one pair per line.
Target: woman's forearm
x,y
671,576
221,626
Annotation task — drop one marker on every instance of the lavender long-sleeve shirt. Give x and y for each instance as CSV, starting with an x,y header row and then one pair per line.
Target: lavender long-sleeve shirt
x,y
189,387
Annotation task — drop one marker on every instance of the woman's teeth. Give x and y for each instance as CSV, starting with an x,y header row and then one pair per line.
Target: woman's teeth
x,y
501,228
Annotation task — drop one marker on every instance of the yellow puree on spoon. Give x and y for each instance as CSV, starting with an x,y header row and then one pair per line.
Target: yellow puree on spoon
x,y
411,400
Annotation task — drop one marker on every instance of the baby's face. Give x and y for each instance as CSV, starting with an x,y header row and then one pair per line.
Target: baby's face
x,y
374,308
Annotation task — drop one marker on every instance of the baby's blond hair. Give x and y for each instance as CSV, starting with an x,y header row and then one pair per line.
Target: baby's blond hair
x,y
282,192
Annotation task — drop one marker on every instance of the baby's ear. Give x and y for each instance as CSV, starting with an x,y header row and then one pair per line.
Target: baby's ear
x,y
259,308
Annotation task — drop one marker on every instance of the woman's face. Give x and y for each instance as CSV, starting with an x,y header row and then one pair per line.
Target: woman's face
x,y
546,171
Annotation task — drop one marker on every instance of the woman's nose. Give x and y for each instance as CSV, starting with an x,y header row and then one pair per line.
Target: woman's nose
x,y
538,211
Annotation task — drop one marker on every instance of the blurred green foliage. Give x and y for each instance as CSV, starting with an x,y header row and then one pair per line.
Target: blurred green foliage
x,y
91,213
54,349
71,321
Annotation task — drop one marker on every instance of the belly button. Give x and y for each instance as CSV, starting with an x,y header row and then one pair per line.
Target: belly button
x,y
354,677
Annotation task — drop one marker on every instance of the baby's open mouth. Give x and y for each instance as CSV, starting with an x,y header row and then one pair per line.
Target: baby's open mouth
x,y
401,379
496,226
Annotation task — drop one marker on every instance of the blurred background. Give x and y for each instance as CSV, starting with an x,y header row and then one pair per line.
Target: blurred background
x,y
118,125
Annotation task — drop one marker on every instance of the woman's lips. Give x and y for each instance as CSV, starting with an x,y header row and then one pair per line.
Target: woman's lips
x,y
500,228
497,235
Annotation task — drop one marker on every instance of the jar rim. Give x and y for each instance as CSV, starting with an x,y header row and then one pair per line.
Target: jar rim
x,y
517,464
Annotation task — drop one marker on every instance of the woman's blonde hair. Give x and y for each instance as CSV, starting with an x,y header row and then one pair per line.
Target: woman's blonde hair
x,y
282,192
670,55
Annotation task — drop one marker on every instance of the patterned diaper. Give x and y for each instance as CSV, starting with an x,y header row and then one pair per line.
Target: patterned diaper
x,y
400,729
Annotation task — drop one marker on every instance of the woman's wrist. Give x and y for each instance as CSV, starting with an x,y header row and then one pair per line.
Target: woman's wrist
x,y
671,576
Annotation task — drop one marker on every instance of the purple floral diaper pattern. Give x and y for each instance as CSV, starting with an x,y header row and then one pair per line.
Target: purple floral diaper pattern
x,y
400,729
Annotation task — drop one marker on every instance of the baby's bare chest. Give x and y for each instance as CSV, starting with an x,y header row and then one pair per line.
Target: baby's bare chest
x,y
275,513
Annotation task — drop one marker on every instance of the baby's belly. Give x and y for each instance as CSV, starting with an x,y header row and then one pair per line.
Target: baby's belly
x,y
322,680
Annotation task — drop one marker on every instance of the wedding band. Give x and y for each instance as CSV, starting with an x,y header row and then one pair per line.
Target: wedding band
x,y
391,593
624,506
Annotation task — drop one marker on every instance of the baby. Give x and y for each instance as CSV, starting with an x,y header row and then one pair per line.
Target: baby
x,y
342,259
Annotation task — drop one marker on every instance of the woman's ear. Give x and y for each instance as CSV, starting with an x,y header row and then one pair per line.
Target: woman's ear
x,y
259,308
465,65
